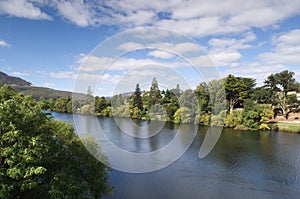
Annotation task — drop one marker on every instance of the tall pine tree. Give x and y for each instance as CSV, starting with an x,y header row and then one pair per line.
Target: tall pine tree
x,y
137,99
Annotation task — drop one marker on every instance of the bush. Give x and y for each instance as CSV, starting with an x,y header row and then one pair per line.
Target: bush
x,y
203,119
266,112
234,119
183,115
264,127
218,120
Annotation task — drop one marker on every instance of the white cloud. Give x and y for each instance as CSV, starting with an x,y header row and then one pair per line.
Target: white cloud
x,y
226,58
161,54
221,44
225,51
202,61
192,17
4,43
285,53
47,84
131,46
22,9
19,73
138,18
164,50
90,63
77,12
64,75
200,17
286,49
177,48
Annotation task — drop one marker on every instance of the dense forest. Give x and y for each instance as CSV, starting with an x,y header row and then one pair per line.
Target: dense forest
x,y
231,102
43,158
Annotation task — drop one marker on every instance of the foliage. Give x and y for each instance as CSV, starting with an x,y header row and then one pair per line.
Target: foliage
x,y
106,112
280,84
234,119
202,93
237,90
41,157
136,103
88,109
205,105
121,111
183,115
136,98
218,120
256,114
100,104
154,93
264,127
202,119
217,96
266,112
170,109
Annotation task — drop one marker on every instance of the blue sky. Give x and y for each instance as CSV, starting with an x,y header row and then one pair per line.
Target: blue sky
x,y
50,42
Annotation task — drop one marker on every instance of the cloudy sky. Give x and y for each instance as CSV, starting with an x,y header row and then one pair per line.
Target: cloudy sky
x,y
50,42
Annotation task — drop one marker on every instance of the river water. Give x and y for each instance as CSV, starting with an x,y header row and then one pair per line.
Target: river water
x,y
243,164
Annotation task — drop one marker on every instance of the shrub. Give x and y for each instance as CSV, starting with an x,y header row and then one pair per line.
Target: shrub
x,y
234,119
203,119
218,120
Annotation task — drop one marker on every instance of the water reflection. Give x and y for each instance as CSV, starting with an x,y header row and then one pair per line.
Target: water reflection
x,y
243,164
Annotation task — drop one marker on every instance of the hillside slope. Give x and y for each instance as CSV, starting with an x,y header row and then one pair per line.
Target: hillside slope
x,y
27,89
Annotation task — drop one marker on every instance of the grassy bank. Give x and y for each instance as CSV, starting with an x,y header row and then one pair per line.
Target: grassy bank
x,y
288,127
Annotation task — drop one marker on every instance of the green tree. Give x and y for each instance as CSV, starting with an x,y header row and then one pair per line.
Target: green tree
x,y
217,96
154,92
188,100
47,104
237,90
136,98
202,93
100,104
60,105
43,158
89,95
251,115
177,91
183,115
280,84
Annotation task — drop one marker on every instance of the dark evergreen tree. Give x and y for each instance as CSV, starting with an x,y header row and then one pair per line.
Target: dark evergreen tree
x,y
154,92
137,99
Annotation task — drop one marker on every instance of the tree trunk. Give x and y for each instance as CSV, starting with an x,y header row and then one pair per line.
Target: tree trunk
x,y
231,106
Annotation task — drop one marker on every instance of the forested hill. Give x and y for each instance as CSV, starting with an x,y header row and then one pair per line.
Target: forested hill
x,y
27,89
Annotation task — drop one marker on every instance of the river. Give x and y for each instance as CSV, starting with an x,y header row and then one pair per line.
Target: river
x,y
243,164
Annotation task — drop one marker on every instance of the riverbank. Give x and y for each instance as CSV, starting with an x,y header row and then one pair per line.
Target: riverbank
x,y
285,126
288,127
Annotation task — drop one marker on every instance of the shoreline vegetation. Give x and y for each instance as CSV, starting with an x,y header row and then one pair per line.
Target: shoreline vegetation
x,y
233,102
42,157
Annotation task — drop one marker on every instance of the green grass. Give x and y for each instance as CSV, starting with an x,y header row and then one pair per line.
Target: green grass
x,y
287,127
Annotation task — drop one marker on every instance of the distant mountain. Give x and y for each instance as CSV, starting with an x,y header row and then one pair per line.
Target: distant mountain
x,y
37,92
14,81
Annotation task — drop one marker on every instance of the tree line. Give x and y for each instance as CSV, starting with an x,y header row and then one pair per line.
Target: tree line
x,y
232,101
